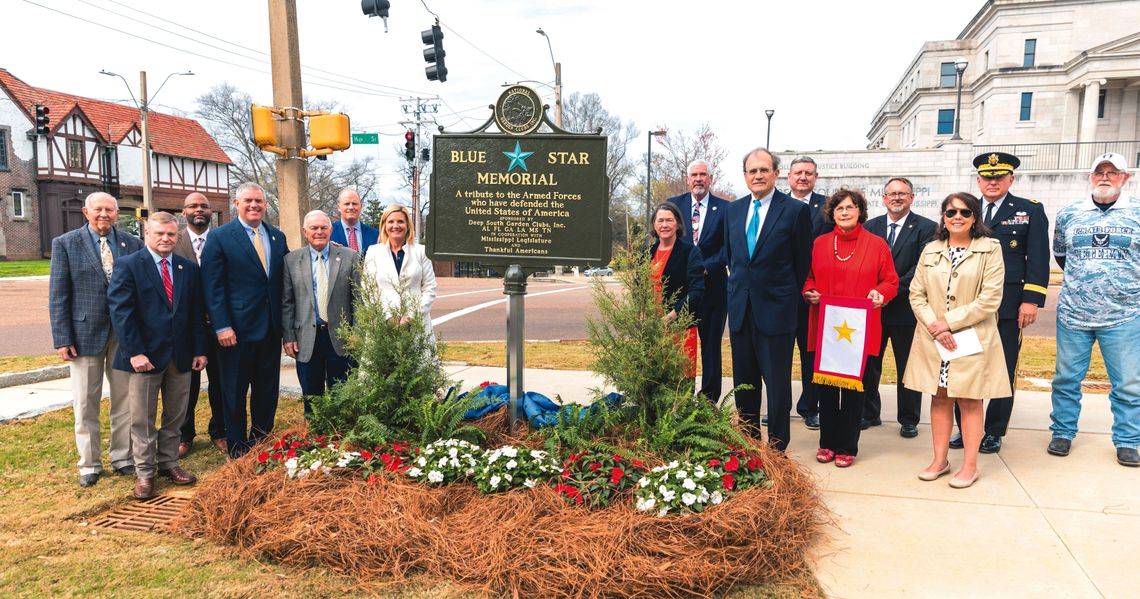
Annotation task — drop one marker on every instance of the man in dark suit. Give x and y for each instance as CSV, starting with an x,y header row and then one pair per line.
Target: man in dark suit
x,y
1023,230
198,214
802,175
82,262
349,231
316,305
906,234
706,218
155,299
767,247
242,274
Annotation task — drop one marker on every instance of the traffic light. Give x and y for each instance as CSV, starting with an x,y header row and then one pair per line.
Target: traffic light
x,y
410,145
42,119
434,54
264,126
425,154
375,8
330,131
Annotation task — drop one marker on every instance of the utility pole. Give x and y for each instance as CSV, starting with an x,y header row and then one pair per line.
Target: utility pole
x,y
144,118
418,108
292,169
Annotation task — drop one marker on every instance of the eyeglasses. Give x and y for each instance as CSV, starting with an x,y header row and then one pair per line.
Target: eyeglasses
x,y
1107,174
752,172
965,212
899,194
846,208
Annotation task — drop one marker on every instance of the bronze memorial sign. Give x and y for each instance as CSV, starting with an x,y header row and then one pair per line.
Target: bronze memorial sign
x,y
519,197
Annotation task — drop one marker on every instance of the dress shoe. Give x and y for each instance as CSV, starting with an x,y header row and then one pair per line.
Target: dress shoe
x,y
88,480
144,488
956,441
1127,456
928,476
1059,446
811,421
764,421
184,449
908,431
866,424
958,483
128,470
179,476
990,444
221,445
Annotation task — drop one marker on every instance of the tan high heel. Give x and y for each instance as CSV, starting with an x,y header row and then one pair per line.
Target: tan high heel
x,y
929,476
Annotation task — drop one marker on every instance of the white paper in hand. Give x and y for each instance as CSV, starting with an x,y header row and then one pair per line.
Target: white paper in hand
x,y
968,345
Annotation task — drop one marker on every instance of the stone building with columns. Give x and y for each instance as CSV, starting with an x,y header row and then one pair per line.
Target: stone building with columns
x,y
1054,82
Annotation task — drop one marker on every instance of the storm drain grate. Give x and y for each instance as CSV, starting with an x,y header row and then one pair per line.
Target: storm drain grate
x,y
143,516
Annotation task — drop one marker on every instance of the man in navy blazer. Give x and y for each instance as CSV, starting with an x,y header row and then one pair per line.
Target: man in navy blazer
x,y
155,300
82,262
767,247
242,268
705,214
802,175
349,231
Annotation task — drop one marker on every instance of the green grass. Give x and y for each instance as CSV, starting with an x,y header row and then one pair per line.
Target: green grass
x,y
25,363
24,268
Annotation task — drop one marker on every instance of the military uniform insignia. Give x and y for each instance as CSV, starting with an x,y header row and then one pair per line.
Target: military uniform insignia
x,y
993,159
1035,201
1013,243
1100,240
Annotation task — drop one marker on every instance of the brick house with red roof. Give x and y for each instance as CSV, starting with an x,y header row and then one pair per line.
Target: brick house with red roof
x,y
92,146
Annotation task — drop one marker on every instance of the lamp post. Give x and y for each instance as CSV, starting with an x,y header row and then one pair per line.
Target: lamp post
x,y
768,138
557,79
143,104
959,67
649,177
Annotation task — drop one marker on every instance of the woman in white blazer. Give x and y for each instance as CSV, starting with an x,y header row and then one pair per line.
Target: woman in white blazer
x,y
398,261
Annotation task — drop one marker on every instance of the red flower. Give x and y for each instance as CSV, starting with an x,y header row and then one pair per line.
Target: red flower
x,y
278,445
594,466
295,444
385,457
572,458
615,475
638,463
732,464
277,455
291,454
366,455
319,439
728,481
565,474
617,458
399,447
372,479
713,463
262,457
754,463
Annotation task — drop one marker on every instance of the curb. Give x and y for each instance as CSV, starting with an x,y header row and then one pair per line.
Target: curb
x,y
49,373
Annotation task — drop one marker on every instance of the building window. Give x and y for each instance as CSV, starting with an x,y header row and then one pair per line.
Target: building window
x,y
75,155
19,210
3,149
1100,101
949,77
981,115
945,121
1030,58
1026,106
986,61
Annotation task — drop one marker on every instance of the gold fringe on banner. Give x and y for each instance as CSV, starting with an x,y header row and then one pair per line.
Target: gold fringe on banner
x,y
842,382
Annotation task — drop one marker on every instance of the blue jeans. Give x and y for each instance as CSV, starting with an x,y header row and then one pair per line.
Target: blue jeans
x,y
1121,359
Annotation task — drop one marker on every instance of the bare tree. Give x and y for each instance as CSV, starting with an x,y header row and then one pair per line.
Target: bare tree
x,y
584,113
677,150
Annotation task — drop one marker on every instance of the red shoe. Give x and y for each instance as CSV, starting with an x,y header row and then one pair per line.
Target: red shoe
x,y
843,461
824,456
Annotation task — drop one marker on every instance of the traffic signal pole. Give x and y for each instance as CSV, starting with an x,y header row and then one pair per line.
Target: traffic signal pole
x,y
293,168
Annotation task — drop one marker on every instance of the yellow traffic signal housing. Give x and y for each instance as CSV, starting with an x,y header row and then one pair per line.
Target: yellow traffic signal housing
x,y
264,125
330,131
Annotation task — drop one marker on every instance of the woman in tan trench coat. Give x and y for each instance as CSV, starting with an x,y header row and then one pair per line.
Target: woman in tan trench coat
x,y
957,285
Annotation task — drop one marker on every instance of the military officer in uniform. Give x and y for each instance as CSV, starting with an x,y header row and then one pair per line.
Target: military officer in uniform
x,y
1023,230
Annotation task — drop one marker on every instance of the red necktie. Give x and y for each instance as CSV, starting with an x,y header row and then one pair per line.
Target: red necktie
x,y
167,284
352,240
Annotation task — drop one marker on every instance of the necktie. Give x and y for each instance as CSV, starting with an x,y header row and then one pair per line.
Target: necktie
x,y
990,214
105,256
753,230
198,243
260,249
167,284
352,245
696,221
891,235
322,289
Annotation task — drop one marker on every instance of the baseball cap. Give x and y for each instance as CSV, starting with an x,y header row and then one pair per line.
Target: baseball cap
x,y
1117,161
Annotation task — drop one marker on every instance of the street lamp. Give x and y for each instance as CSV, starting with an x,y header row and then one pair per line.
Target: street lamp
x,y
557,79
959,67
143,104
649,177
768,139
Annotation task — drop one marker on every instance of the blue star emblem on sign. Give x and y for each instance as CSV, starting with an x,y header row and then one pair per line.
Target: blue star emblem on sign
x,y
518,158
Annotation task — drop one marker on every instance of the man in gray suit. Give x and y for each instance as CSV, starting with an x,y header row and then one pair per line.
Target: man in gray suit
x,y
316,303
81,265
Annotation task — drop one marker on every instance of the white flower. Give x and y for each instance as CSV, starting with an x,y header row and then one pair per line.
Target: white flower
x,y
674,464
703,497
435,476
716,497
645,504
689,484
414,472
538,455
510,451
529,483
508,477
511,465
442,462
663,512
688,499
453,452
421,462
494,482
451,442
494,455
699,472
643,482
469,471
681,475
453,462
666,493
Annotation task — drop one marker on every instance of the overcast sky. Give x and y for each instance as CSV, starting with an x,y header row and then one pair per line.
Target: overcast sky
x,y
823,66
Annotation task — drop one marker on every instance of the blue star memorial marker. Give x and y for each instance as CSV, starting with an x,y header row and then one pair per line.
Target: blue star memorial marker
x,y
518,157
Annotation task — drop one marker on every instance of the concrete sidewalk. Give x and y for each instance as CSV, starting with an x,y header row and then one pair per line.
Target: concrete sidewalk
x,y
1034,525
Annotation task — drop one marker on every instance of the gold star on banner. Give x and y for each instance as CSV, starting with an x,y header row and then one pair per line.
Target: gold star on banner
x,y
844,332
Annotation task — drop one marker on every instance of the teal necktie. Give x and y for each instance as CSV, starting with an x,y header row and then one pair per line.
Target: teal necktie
x,y
753,230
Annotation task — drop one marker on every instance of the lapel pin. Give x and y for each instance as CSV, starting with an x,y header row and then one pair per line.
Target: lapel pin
x,y
273,237
179,267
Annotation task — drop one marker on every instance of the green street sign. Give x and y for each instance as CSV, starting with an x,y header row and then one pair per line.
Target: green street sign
x,y
365,138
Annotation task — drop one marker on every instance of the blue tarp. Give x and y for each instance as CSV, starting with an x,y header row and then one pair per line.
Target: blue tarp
x,y
539,409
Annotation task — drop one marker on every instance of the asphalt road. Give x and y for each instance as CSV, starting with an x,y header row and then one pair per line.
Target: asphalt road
x,y
466,310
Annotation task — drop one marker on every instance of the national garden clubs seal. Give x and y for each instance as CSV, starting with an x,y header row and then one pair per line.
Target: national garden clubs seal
x,y
518,111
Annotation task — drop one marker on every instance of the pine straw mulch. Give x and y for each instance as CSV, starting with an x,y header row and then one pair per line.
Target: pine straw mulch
x,y
524,543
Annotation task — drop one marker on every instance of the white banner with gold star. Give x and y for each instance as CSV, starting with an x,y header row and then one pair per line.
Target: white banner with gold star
x,y
844,327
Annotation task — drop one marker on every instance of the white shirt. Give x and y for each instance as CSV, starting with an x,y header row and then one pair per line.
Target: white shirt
x,y
704,213
194,237
986,206
806,200
765,203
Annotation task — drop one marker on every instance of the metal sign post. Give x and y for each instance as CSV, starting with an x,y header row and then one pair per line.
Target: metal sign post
x,y
514,285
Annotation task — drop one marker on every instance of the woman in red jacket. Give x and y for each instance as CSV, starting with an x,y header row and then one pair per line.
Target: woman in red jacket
x,y
848,262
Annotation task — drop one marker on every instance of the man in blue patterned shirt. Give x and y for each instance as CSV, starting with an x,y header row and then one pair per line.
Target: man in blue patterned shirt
x,y
1097,244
